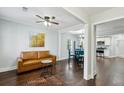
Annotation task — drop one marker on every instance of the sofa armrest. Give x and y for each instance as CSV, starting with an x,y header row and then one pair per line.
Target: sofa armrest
x,y
53,58
19,61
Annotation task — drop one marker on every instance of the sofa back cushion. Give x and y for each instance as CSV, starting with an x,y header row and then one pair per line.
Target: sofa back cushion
x,y
29,55
43,54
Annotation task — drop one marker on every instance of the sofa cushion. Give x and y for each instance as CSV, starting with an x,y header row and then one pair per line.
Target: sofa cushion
x,y
43,54
31,62
29,55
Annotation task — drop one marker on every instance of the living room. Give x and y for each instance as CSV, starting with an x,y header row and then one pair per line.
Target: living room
x,y
45,32
19,25
30,35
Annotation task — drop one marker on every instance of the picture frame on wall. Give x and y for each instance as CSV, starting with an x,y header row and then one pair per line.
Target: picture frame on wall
x,y
37,40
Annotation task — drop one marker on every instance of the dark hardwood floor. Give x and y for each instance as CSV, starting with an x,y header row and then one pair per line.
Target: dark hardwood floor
x,y
109,72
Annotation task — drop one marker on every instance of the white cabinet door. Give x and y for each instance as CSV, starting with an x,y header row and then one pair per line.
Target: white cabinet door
x,y
107,41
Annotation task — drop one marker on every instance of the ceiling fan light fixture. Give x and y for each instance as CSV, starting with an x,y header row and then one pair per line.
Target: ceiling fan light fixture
x,y
45,23
49,24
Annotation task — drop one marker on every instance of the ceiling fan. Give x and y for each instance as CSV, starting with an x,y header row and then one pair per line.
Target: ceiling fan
x,y
47,20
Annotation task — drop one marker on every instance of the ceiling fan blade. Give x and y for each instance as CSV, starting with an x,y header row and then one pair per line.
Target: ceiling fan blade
x,y
54,22
39,21
39,17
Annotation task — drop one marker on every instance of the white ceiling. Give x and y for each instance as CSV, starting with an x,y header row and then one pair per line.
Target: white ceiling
x,y
65,19
94,10
110,28
62,16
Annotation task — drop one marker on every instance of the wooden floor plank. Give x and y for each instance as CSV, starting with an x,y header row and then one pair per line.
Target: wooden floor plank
x,y
110,72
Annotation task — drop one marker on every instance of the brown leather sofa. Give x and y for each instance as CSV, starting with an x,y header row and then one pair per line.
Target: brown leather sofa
x,y
31,60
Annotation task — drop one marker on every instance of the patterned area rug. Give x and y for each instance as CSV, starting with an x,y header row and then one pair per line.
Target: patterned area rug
x,y
45,81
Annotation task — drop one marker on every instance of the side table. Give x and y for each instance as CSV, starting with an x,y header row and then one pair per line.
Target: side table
x,y
49,68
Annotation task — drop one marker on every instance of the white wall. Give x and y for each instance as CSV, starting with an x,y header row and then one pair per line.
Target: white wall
x,y
64,38
117,49
111,14
14,38
77,12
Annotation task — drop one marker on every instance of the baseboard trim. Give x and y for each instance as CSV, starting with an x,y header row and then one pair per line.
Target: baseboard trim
x,y
61,59
90,76
120,57
114,56
87,77
7,69
109,56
